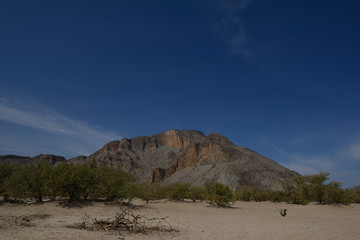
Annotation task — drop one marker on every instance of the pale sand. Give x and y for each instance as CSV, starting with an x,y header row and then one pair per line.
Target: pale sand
x,y
247,220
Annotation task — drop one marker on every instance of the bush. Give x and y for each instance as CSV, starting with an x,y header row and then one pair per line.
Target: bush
x,y
219,194
66,182
149,192
5,172
178,191
245,193
317,186
197,193
334,194
276,196
354,194
115,184
28,182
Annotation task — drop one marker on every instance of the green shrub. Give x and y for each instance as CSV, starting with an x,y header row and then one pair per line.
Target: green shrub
x,y
115,184
5,172
276,196
334,194
28,181
245,193
178,191
317,187
66,182
197,193
219,194
354,194
149,192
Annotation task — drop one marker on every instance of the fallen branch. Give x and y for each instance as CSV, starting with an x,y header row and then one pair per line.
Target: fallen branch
x,y
126,220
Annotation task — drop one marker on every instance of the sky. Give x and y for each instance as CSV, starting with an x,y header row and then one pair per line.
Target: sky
x,y
279,77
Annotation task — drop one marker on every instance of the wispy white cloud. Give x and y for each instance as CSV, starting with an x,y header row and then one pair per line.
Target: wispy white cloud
x,y
339,159
354,151
230,25
77,137
302,162
307,165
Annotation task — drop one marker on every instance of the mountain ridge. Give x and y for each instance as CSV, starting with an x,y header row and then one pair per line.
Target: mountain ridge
x,y
187,156
190,156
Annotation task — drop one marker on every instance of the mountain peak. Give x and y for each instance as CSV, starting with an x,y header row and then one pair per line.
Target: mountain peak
x,y
187,132
190,156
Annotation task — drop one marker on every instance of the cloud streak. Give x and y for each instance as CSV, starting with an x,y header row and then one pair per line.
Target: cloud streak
x,y
341,159
75,136
354,151
230,25
308,165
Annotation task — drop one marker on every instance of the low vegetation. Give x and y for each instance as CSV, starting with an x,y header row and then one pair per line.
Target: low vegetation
x,y
92,182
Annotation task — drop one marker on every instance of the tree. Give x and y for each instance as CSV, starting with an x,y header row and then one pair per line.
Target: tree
x,y
66,181
317,186
89,179
29,181
354,194
5,172
301,193
115,184
334,193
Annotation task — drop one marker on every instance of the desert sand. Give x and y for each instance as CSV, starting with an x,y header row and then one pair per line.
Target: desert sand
x,y
246,220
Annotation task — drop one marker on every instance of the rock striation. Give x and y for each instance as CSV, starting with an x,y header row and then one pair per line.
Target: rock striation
x,y
189,156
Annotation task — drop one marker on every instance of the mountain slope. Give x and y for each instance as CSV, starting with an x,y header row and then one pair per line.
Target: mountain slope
x,y
190,156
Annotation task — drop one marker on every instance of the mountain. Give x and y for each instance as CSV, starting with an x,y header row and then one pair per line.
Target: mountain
x,y
21,160
190,156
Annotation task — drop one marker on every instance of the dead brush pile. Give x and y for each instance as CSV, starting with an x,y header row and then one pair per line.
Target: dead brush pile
x,y
126,220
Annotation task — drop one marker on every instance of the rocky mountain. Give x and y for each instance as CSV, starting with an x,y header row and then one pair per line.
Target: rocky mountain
x,y
190,156
21,160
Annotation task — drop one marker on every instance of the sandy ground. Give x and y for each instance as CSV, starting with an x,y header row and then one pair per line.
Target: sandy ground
x,y
247,220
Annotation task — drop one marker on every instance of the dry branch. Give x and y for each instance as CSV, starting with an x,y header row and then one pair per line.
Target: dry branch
x,y
126,220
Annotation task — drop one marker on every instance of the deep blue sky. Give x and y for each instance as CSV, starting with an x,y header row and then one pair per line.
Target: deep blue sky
x,y
279,77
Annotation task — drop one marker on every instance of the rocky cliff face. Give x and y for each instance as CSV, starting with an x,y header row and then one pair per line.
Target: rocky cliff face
x,y
190,156
20,160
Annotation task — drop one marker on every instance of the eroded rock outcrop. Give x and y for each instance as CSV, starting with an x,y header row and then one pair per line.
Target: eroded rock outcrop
x,y
190,156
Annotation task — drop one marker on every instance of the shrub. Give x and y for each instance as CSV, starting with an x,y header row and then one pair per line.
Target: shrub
x,y
197,193
177,191
219,194
66,182
5,172
149,192
354,194
276,196
28,181
317,186
334,194
245,193
115,184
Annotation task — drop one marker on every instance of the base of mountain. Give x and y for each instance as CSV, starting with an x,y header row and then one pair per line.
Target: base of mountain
x,y
92,182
